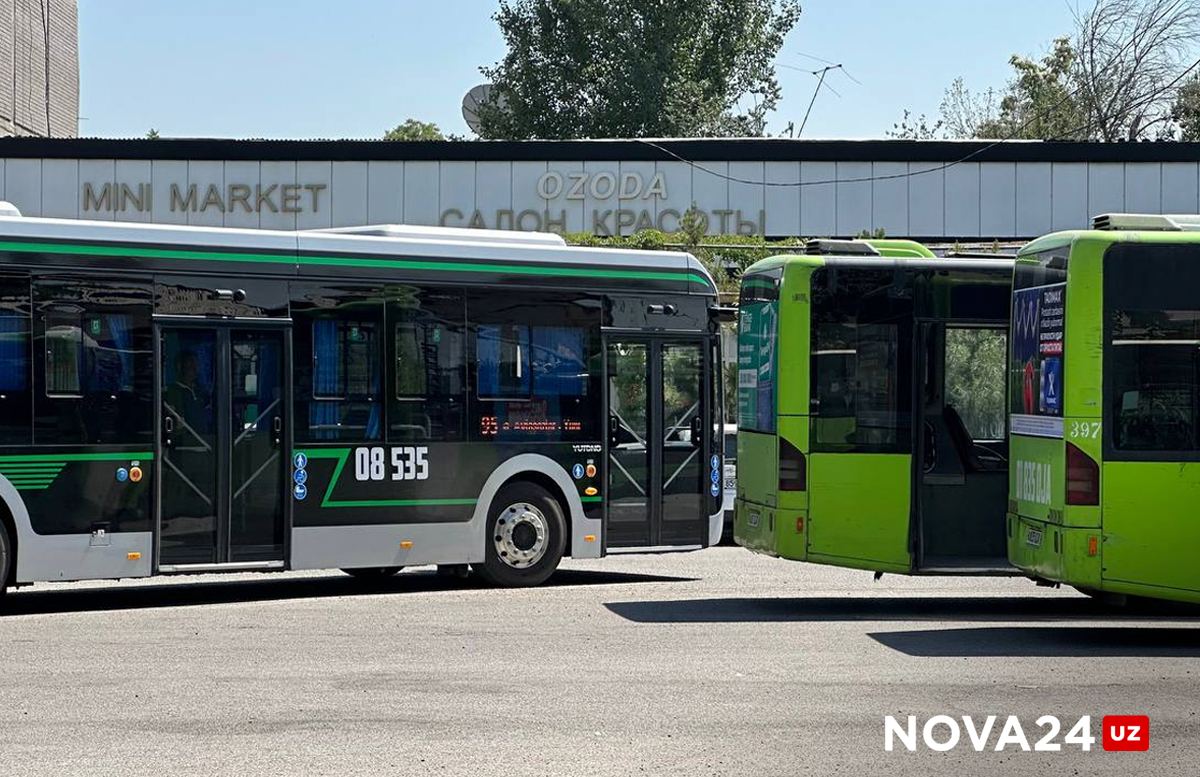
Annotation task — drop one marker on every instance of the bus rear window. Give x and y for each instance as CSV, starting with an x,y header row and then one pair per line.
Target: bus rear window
x,y
1152,351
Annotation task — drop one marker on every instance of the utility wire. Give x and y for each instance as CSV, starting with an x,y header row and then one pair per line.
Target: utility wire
x,y
911,174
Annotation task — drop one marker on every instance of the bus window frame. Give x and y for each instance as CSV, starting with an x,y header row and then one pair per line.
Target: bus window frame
x,y
1113,253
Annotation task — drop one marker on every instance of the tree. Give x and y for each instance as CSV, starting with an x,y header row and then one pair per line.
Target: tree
x,y
1040,101
914,128
152,134
1186,110
964,112
630,68
414,129
1129,53
1115,78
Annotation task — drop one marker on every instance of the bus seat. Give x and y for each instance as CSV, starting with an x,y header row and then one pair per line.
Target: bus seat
x,y
963,443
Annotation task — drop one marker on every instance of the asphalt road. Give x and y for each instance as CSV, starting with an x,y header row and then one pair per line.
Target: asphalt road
x,y
718,662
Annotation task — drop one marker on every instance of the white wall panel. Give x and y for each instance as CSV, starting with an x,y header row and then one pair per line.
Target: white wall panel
x,y
560,202
495,190
23,185
677,176
95,173
165,173
241,212
998,199
853,198
456,188
889,198
421,193
749,198
1106,188
599,195
277,174
315,205
385,192
963,201
782,203
1034,209
818,199
132,191
60,188
521,181
1181,187
348,194
710,191
209,179
1143,187
926,186
1069,193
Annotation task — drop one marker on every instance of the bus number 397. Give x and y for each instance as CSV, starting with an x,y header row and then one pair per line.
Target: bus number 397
x,y
405,463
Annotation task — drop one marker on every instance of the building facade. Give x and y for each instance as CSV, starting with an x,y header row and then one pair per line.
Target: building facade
x,y
39,68
935,190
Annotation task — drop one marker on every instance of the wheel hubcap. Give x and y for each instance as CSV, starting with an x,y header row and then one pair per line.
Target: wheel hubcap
x,y
522,535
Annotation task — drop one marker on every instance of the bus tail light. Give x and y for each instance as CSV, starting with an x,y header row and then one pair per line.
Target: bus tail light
x,y
1083,478
1093,545
793,469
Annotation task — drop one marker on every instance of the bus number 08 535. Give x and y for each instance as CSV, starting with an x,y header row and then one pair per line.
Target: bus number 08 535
x,y
404,463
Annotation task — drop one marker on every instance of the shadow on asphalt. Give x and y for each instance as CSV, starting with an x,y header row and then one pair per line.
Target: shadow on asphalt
x,y
799,609
184,594
1141,641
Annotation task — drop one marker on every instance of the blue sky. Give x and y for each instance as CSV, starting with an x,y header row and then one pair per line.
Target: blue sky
x,y
354,68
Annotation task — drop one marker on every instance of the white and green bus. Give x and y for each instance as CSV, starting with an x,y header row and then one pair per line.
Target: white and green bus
x,y
181,400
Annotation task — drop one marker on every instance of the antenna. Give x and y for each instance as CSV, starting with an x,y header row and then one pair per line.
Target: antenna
x,y
472,101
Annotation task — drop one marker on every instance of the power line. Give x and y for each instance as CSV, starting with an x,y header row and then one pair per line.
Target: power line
x,y
911,174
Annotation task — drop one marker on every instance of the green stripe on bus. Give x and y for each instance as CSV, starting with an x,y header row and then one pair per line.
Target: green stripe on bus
x,y
65,457
591,499
448,265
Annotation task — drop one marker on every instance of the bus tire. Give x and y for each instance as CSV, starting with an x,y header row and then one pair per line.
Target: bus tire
x,y
526,537
372,573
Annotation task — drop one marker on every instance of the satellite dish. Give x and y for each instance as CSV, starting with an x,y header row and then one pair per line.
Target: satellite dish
x,y
472,101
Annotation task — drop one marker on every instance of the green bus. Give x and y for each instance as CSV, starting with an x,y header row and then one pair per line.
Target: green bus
x,y
1104,400
871,408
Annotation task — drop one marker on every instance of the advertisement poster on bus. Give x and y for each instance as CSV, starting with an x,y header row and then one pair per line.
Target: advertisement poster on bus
x,y
1038,351
756,366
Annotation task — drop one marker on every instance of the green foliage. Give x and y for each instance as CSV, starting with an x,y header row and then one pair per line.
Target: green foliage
x,y
152,134
1040,102
630,68
975,360
414,129
1186,110
879,233
914,128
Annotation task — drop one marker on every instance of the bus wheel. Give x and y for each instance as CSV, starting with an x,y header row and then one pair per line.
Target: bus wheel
x,y
526,538
372,573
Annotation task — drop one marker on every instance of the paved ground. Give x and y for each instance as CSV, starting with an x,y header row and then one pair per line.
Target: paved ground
x,y
717,662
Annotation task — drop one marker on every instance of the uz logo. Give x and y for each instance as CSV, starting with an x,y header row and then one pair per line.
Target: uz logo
x,y
1126,732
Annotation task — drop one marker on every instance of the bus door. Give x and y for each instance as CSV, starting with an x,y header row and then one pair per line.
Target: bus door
x,y
223,433
860,436
659,452
962,448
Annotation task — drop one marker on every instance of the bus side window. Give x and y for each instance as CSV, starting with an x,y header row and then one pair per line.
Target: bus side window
x,y
95,380
427,364
16,422
537,368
